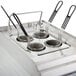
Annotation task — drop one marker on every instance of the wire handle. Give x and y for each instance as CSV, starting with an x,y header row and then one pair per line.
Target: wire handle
x,y
8,16
20,24
58,6
70,13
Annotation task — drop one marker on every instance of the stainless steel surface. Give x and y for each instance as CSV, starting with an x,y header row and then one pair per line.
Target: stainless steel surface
x,y
54,51
70,74
58,6
50,60
13,60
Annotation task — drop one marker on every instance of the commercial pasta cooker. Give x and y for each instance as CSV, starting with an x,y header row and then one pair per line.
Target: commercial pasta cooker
x,y
49,47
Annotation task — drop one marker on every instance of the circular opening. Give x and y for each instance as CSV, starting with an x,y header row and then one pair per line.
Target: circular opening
x,y
53,43
41,35
36,47
24,39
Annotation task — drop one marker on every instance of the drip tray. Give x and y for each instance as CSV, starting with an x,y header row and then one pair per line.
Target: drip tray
x,y
53,43
24,39
36,47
